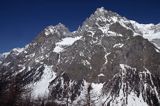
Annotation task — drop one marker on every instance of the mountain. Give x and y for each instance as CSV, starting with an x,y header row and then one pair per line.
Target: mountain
x,y
109,61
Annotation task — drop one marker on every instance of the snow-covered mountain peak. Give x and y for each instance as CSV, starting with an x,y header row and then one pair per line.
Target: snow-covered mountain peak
x,y
100,10
58,29
103,11
102,63
108,23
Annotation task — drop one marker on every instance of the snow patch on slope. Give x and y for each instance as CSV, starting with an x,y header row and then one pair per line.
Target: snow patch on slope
x,y
133,100
118,45
3,56
65,42
6,54
151,35
40,88
18,50
96,93
101,75
58,49
147,30
68,40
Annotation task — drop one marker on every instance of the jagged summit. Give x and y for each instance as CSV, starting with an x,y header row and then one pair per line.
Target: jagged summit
x,y
56,29
58,26
109,61
103,11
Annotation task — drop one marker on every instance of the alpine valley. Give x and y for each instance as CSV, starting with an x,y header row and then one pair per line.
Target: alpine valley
x,y
109,61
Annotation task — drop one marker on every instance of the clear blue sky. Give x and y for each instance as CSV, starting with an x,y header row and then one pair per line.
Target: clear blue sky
x,y
22,20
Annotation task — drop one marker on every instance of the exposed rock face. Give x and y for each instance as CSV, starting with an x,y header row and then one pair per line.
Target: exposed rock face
x,y
107,60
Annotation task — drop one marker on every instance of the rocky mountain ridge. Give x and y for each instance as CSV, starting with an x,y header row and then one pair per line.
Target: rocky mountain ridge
x,y
108,61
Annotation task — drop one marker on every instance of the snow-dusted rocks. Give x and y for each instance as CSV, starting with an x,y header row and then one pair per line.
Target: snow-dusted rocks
x,y
109,61
59,29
